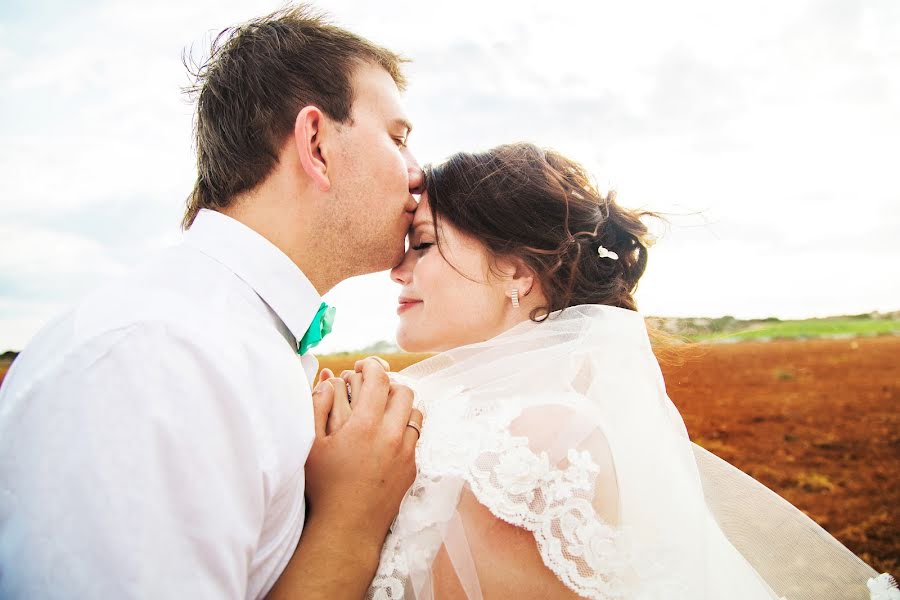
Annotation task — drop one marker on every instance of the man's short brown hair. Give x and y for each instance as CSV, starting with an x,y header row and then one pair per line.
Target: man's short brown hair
x,y
257,78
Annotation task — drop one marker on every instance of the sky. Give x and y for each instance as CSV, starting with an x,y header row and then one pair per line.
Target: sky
x,y
768,132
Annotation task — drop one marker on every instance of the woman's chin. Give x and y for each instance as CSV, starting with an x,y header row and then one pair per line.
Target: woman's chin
x,y
408,343
410,339
415,348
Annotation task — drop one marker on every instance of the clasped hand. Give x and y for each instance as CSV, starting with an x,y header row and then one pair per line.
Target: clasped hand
x,y
363,460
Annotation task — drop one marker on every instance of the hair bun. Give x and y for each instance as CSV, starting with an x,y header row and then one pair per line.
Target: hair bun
x,y
523,201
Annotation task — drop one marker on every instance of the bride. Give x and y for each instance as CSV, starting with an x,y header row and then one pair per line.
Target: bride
x,y
552,464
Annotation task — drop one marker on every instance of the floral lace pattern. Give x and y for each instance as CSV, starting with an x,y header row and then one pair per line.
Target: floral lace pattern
x,y
518,485
555,504
522,487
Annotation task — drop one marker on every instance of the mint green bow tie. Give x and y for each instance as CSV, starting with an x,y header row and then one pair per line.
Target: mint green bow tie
x,y
320,327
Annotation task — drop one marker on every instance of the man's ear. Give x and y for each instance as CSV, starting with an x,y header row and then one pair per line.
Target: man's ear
x,y
309,128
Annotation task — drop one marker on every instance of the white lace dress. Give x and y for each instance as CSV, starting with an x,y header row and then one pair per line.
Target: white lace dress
x,y
564,430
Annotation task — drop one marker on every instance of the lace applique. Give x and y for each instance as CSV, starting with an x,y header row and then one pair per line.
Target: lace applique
x,y
555,504
518,486
416,536
392,573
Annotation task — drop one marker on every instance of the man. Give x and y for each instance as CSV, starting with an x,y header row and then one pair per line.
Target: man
x,y
153,438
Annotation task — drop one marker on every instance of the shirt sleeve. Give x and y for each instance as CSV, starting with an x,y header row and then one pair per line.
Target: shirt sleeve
x,y
130,470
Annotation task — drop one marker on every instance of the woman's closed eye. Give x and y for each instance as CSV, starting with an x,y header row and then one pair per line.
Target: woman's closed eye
x,y
422,246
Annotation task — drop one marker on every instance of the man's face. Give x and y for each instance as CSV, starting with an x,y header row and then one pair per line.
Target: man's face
x,y
374,174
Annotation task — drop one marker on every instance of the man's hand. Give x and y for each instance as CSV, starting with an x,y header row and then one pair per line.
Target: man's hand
x,y
358,470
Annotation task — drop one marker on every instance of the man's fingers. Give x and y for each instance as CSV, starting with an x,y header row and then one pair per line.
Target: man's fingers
x,y
373,393
340,410
323,400
325,375
399,406
355,381
340,391
358,365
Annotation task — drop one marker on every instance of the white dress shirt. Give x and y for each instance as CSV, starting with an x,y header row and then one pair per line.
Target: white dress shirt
x,y
153,438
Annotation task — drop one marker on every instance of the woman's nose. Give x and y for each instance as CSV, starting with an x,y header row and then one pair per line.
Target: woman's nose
x,y
401,273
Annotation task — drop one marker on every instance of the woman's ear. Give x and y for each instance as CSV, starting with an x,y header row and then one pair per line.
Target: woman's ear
x,y
516,275
309,129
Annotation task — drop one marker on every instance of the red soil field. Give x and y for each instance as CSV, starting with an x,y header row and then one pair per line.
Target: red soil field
x,y
817,421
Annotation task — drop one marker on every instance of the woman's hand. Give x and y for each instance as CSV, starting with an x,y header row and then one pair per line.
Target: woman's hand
x,y
344,394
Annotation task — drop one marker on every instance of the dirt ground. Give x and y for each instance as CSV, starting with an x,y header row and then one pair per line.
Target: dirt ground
x,y
817,421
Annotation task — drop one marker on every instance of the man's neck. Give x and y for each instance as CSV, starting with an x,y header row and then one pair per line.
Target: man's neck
x,y
281,221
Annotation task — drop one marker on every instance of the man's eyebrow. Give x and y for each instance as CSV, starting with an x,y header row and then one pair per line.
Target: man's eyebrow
x,y
403,123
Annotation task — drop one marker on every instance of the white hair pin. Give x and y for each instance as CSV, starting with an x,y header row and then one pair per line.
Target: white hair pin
x,y
604,253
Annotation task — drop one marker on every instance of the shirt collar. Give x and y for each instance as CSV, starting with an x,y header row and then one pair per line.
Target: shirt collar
x,y
261,265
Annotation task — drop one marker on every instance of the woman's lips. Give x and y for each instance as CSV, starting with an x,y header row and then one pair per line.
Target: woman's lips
x,y
406,304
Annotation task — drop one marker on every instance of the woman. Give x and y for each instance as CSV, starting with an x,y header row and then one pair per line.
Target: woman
x,y
552,464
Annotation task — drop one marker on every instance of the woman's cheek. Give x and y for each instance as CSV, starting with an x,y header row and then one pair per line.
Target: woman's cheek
x,y
425,276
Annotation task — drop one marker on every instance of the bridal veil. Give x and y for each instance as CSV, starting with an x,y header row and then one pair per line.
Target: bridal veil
x,y
564,429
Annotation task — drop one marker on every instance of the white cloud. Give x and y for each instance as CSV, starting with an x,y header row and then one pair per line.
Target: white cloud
x,y
19,321
42,271
777,120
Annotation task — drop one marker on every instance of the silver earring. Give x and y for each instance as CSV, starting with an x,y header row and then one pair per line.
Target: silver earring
x,y
515,297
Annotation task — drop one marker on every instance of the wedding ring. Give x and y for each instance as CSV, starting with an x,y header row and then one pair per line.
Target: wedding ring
x,y
415,426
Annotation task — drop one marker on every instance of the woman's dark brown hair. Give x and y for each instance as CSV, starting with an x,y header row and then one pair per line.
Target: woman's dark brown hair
x,y
536,205
258,76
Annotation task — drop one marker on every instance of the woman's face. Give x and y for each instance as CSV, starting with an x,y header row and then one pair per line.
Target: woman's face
x,y
442,307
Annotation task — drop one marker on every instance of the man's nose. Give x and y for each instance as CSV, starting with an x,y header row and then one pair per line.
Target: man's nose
x,y
416,177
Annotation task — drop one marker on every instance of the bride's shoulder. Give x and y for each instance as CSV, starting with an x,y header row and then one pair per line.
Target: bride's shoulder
x,y
542,415
544,421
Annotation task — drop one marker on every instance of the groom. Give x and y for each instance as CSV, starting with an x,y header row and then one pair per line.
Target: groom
x,y
153,439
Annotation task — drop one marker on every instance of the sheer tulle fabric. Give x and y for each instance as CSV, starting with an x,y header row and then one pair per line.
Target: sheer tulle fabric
x,y
564,429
